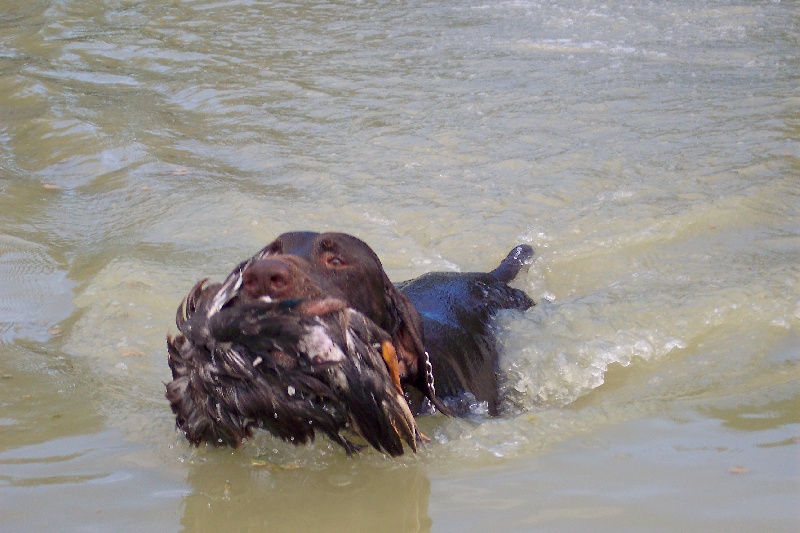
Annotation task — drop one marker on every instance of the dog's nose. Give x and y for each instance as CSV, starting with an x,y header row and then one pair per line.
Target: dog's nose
x,y
269,277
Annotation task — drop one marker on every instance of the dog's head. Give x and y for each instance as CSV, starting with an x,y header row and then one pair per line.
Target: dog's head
x,y
307,264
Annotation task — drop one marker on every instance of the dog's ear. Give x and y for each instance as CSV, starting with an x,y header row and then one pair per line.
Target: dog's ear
x,y
409,342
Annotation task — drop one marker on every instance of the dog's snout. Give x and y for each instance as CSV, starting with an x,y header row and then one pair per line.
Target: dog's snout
x,y
269,277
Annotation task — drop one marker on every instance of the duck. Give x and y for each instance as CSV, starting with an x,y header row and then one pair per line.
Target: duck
x,y
294,367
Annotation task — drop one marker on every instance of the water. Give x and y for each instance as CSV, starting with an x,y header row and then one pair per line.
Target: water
x,y
647,151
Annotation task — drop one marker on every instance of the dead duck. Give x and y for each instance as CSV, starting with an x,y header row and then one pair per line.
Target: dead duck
x,y
293,367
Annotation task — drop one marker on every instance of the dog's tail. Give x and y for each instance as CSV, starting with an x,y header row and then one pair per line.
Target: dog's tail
x,y
520,256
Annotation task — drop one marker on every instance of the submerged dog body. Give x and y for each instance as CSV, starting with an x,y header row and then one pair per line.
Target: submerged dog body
x,y
310,335
456,311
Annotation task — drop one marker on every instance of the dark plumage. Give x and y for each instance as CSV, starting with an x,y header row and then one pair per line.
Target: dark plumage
x,y
292,367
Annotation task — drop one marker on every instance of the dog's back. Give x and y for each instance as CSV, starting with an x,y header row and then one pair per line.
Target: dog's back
x,y
456,310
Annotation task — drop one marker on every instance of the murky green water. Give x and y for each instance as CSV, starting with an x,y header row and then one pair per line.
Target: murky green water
x,y
648,151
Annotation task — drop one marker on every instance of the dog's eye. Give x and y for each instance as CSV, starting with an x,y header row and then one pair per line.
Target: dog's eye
x,y
335,261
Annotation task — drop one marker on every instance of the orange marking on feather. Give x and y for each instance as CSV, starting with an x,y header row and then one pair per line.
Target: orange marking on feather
x,y
390,358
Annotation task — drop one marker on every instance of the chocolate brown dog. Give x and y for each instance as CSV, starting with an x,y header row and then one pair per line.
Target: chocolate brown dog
x,y
441,343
